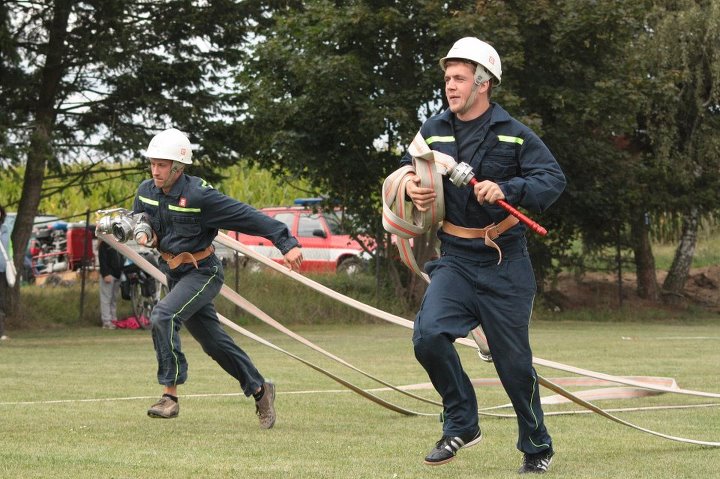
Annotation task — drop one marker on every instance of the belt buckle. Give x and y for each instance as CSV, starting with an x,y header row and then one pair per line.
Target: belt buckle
x,y
492,231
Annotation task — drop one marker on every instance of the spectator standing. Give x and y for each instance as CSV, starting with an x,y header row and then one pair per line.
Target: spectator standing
x,y
5,240
111,264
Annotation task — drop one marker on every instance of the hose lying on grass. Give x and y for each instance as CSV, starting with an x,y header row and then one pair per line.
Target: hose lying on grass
x,y
640,386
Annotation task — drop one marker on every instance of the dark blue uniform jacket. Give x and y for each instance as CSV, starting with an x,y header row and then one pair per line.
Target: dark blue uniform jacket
x,y
511,155
189,216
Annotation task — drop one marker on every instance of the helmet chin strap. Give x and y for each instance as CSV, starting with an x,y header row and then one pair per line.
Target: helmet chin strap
x,y
481,76
471,99
176,166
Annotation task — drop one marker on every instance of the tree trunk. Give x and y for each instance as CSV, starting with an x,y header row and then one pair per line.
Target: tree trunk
x,y
40,149
680,269
647,284
32,187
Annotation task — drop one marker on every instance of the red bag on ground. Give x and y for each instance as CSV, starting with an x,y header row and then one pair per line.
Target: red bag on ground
x,y
131,322
127,323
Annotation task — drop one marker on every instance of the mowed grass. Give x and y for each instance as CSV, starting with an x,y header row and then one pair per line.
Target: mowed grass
x,y
73,405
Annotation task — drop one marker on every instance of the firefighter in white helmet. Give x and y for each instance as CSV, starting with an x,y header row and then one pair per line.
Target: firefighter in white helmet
x,y
170,144
468,288
185,213
487,66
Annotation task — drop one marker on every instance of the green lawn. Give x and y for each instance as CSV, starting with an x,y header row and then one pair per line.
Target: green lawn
x,y
73,402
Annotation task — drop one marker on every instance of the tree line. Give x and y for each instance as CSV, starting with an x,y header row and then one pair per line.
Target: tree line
x,y
625,94
115,186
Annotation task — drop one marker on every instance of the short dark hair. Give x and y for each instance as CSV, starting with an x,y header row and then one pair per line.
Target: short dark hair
x,y
3,215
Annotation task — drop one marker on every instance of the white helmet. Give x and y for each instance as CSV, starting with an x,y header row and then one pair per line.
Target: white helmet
x,y
480,53
171,144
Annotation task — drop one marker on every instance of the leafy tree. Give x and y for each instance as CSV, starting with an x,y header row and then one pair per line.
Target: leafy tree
x,y
636,104
331,93
93,80
580,73
336,78
337,90
682,118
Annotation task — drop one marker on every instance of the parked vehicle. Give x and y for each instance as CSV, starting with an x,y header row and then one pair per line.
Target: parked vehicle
x,y
61,246
55,246
326,247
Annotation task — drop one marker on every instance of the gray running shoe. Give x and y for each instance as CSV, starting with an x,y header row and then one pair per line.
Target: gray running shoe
x,y
265,407
165,408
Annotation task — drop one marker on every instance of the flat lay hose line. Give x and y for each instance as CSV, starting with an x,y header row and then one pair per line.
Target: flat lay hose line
x,y
380,314
227,241
239,301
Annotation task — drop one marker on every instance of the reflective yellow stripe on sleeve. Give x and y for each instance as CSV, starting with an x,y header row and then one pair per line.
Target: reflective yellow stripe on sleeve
x,y
511,139
148,201
442,139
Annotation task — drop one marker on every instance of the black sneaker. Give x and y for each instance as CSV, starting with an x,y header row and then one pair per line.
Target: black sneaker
x,y
446,448
536,463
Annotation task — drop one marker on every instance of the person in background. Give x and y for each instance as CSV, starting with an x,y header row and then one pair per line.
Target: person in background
x,y
111,264
33,251
5,240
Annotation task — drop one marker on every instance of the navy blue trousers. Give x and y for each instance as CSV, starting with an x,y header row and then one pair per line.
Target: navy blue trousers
x,y
461,295
190,303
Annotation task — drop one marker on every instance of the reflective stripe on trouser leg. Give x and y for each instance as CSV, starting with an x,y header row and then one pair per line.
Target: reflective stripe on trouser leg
x,y
207,330
194,290
505,317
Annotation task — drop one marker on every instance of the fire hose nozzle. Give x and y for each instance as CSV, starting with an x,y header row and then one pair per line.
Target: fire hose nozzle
x,y
461,175
124,225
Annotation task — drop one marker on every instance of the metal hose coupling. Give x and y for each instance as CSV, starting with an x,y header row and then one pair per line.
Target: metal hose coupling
x,y
123,224
461,174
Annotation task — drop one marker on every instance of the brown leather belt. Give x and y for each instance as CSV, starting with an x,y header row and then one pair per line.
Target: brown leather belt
x,y
490,232
175,260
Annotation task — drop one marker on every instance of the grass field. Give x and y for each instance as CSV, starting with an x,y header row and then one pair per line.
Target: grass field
x,y
73,402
